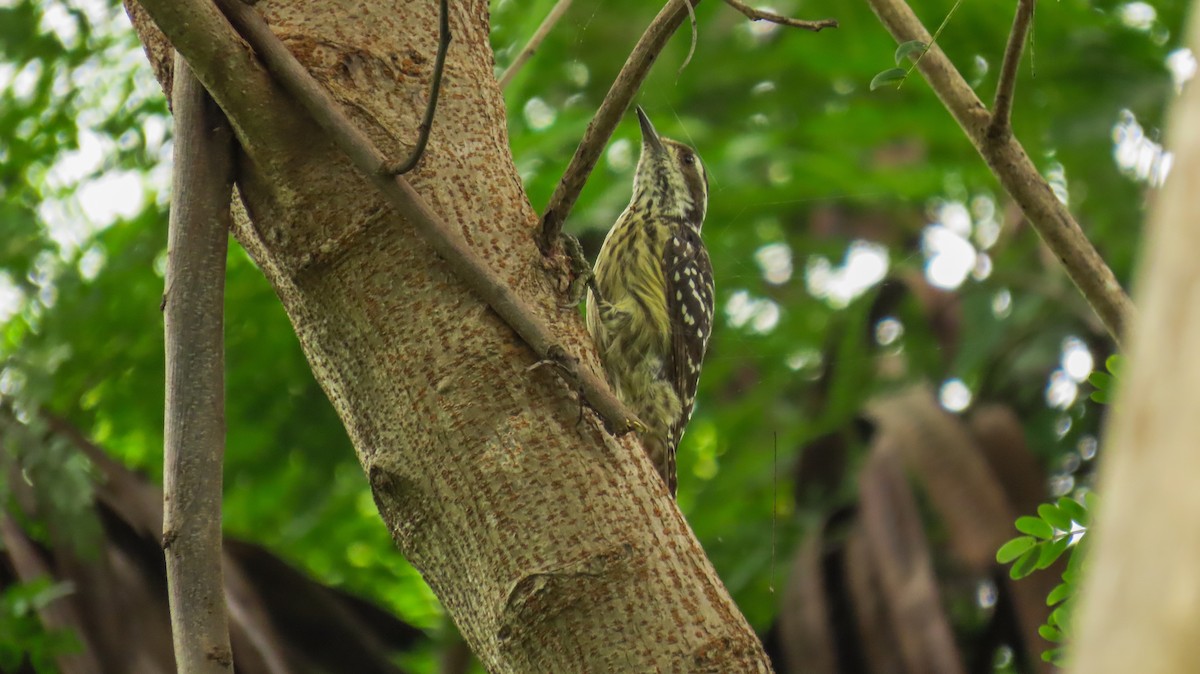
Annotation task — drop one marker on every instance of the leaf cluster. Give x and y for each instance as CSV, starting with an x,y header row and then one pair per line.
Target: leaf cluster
x,y
23,639
1058,528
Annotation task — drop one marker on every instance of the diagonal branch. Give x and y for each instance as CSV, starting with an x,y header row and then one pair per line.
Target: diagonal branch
x,y
1011,165
531,47
447,242
1002,109
763,15
435,87
601,128
194,443
621,94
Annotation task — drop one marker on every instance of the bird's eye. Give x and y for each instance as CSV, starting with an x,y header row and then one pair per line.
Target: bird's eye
x,y
689,158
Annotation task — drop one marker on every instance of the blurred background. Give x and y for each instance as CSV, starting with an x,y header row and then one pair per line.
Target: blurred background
x,y
898,369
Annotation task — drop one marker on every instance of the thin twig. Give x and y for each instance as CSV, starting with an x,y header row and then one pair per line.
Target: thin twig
x,y
601,128
763,15
1002,109
435,87
695,38
198,239
531,47
446,241
1011,165
936,34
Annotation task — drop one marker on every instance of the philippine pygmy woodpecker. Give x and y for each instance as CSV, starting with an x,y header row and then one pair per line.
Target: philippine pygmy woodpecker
x,y
654,314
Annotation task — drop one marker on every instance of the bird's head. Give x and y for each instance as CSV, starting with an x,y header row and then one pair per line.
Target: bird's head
x,y
670,179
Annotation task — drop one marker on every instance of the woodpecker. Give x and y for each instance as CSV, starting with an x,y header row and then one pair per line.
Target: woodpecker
x,y
654,310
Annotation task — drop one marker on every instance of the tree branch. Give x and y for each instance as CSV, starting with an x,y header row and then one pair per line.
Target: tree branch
x,y
535,41
447,242
435,87
198,238
601,128
1012,166
763,15
221,62
617,101
1002,109
427,379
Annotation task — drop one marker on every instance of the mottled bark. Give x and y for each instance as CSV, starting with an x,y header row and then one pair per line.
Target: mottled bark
x,y
553,545
194,438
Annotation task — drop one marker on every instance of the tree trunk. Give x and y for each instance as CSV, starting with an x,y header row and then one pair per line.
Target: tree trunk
x,y
1140,608
552,544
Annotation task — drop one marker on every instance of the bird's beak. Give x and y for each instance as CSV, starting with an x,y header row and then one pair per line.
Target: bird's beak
x,y
649,135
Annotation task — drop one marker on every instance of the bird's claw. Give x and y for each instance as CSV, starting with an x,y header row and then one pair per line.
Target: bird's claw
x,y
582,277
636,426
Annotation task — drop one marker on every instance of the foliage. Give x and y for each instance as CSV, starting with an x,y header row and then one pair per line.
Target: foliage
x,y
820,190
1106,382
23,639
1057,528
898,75
904,49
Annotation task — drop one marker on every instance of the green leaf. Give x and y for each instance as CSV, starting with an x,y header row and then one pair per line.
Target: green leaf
x,y
1025,564
1106,387
1115,364
1051,551
1060,617
1071,575
1055,516
1074,510
1050,633
1054,655
1015,548
887,77
910,47
1077,560
1059,593
1034,527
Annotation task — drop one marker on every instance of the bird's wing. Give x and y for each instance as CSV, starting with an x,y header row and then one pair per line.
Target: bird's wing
x,y
690,310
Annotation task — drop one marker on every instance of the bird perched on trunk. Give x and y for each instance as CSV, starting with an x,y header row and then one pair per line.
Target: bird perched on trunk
x,y
654,312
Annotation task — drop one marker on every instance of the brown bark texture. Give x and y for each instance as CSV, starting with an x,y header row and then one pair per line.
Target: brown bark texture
x,y
1140,606
552,544
193,318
